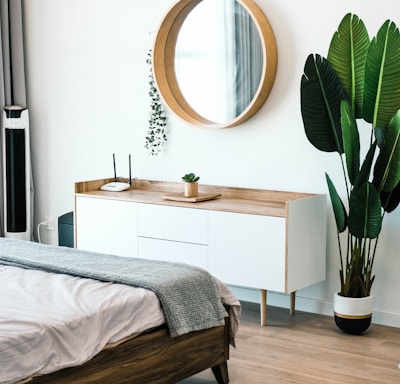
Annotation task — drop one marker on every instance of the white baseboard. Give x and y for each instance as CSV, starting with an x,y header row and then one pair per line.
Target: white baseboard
x,y
310,305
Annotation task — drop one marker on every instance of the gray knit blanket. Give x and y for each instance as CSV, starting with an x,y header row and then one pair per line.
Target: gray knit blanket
x,y
189,295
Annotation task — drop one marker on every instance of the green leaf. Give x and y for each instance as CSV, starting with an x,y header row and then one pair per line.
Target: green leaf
x,y
365,171
390,200
351,141
382,77
338,207
365,217
321,95
190,177
387,166
347,54
380,134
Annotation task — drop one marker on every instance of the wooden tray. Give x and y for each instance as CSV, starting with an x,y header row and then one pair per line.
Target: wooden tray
x,y
200,197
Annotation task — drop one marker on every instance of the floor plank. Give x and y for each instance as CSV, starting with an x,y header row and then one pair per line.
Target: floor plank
x,y
306,349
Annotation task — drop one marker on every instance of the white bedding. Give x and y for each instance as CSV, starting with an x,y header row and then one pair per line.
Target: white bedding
x,y
49,328
52,321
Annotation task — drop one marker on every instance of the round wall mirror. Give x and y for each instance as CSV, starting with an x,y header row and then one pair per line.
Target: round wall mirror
x,y
214,61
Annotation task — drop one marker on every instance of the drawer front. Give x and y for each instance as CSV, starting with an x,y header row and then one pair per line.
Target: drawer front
x,y
248,250
106,226
194,254
173,223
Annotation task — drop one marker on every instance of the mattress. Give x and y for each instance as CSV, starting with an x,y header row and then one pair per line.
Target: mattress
x,y
52,321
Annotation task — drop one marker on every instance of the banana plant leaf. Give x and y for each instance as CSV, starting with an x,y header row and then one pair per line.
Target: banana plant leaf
x,y
338,207
390,200
380,134
387,166
365,171
365,213
347,54
321,95
351,141
382,77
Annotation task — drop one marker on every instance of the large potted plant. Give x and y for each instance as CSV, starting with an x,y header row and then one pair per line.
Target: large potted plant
x,y
358,82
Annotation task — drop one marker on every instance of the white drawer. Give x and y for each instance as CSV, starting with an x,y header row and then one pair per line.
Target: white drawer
x,y
194,254
173,223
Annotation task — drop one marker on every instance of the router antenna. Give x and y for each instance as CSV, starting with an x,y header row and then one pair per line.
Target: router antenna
x,y
130,172
115,169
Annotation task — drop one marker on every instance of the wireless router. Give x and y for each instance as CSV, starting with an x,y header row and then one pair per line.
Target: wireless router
x,y
118,186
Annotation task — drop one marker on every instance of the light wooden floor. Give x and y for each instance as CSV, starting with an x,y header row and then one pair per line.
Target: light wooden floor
x,y
307,349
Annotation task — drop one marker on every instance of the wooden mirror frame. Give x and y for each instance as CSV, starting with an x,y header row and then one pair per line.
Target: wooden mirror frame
x,y
163,62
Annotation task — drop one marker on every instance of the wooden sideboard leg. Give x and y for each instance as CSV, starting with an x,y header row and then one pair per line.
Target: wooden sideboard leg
x,y
292,302
263,307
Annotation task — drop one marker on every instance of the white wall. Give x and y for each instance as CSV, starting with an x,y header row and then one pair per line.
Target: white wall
x,y
87,89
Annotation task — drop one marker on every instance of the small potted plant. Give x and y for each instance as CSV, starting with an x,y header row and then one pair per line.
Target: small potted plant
x,y
359,80
191,185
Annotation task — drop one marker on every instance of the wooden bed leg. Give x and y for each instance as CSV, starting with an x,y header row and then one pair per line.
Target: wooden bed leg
x,y
221,373
292,302
263,307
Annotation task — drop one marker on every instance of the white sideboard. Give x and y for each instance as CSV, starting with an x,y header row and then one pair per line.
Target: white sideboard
x,y
268,240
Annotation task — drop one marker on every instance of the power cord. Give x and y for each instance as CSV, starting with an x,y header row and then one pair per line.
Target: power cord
x,y
38,229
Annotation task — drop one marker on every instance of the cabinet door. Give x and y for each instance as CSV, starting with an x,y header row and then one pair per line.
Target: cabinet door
x,y
107,226
247,250
176,251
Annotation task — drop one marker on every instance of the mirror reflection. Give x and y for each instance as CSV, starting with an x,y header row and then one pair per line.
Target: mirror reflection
x,y
219,59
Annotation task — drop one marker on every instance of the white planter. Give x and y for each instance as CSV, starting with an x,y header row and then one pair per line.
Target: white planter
x,y
353,315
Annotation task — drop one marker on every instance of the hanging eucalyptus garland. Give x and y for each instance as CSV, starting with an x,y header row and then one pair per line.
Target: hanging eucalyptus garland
x,y
156,137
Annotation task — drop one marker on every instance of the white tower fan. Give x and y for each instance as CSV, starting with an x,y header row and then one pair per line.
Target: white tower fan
x,y
16,173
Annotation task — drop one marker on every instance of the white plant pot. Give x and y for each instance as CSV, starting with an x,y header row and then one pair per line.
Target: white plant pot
x,y
353,315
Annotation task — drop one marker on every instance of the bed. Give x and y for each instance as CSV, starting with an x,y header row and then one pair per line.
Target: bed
x,y
61,322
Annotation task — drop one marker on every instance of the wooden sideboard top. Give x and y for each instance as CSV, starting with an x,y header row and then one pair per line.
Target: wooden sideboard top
x,y
233,199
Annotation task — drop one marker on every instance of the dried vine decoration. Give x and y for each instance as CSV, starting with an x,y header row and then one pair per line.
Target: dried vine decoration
x,y
156,137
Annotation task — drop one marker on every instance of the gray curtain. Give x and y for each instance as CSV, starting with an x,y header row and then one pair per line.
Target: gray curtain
x,y
249,58
12,73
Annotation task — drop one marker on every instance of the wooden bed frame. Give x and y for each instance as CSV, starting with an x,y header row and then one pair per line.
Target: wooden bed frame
x,y
153,357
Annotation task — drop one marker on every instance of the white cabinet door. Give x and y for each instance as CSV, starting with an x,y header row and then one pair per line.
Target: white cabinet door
x,y
173,223
247,250
155,249
107,226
